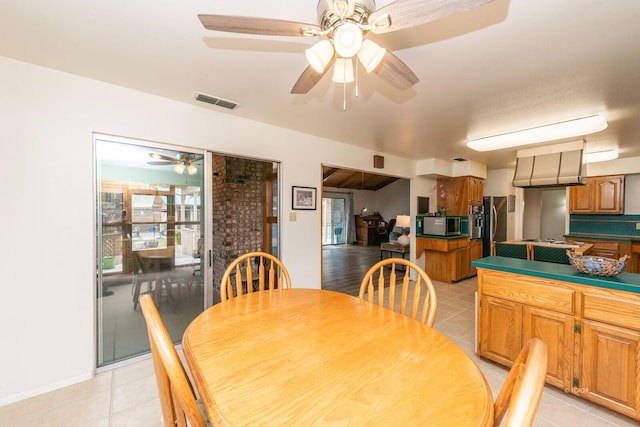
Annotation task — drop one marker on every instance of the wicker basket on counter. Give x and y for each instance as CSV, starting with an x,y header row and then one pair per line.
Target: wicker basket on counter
x,y
597,266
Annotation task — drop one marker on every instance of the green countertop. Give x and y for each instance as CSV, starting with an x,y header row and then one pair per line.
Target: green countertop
x,y
623,281
433,236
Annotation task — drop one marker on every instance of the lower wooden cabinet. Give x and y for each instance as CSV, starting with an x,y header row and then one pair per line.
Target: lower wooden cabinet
x,y
610,367
449,260
592,334
500,344
556,330
463,265
475,252
633,264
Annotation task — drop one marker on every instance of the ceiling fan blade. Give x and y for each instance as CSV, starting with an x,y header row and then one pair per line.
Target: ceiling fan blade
x,y
409,13
342,8
260,26
160,163
308,80
158,156
395,72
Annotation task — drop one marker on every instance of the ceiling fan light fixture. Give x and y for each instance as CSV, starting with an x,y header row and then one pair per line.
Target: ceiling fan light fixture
x,y
179,168
319,55
342,8
347,40
381,23
192,169
561,130
343,71
370,55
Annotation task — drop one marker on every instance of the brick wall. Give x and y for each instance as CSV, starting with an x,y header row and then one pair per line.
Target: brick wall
x,y
238,195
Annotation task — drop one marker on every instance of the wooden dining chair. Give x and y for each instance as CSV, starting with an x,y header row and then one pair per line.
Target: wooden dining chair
x,y
141,276
521,392
421,301
177,398
252,272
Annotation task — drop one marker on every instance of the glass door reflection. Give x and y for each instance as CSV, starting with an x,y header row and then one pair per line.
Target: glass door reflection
x,y
150,234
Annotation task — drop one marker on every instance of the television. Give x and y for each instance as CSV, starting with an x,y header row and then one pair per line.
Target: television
x,y
423,205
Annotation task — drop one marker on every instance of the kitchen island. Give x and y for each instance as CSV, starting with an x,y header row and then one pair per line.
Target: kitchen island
x,y
448,258
590,324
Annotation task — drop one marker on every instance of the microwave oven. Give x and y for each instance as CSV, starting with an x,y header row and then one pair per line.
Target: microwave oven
x,y
441,225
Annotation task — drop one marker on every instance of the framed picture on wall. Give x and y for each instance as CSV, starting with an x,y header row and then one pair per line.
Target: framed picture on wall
x,y
303,198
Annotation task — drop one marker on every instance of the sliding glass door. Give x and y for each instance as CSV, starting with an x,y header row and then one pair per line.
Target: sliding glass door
x,y
334,220
150,239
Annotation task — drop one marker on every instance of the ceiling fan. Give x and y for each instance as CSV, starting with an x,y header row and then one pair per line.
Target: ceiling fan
x,y
342,27
182,162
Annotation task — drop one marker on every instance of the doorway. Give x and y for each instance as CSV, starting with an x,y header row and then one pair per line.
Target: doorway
x,y
150,232
362,194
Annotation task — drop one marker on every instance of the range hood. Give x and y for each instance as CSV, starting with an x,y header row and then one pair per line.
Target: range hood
x,y
552,166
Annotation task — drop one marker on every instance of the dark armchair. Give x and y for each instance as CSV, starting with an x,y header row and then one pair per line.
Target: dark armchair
x,y
385,231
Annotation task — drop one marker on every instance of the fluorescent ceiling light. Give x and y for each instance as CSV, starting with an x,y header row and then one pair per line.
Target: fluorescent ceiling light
x,y
601,156
568,129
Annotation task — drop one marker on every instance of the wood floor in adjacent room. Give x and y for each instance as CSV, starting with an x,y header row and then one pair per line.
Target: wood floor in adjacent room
x,y
344,266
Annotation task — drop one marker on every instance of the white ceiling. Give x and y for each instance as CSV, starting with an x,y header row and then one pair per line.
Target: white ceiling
x,y
504,66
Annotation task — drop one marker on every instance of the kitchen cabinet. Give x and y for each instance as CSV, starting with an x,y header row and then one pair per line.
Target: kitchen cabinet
x,y
611,350
446,260
634,264
601,195
610,353
463,264
593,333
475,252
514,309
449,260
457,193
476,188
608,248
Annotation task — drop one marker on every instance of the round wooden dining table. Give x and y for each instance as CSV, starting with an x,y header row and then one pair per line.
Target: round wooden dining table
x,y
309,357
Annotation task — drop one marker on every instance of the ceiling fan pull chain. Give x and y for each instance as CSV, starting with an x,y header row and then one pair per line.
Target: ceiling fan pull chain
x,y
344,96
356,65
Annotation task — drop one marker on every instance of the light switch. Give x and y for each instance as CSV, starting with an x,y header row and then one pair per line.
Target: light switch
x,y
637,225
293,217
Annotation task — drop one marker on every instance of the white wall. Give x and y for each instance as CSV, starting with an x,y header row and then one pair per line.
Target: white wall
x,y
393,199
364,199
632,192
498,183
553,211
47,118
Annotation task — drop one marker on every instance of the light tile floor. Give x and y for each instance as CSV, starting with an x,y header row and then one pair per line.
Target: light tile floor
x,y
127,396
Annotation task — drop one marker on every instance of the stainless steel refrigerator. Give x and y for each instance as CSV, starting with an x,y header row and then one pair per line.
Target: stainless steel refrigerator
x,y
495,222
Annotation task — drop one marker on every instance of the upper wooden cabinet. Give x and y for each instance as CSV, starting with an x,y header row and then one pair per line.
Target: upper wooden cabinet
x,y
476,188
457,193
601,195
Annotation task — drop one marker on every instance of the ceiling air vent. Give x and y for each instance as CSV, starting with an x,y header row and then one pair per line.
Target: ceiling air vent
x,y
216,101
